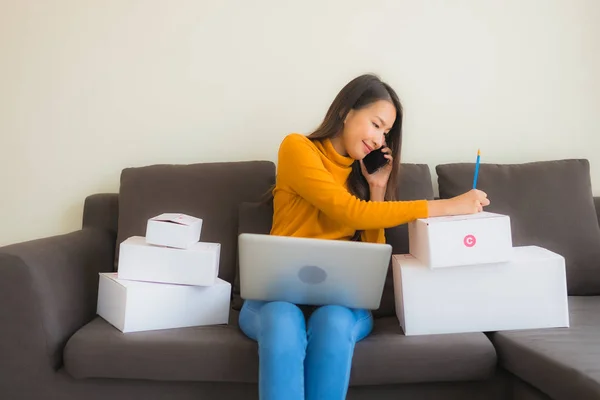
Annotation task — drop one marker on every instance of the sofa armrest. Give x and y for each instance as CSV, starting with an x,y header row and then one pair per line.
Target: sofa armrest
x,y
101,211
597,203
48,290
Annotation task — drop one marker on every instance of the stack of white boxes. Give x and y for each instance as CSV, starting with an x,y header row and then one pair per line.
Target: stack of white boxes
x,y
464,275
167,279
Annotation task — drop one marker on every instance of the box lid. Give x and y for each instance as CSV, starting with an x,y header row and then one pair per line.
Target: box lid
x,y
197,246
454,218
131,283
113,276
128,283
205,246
176,218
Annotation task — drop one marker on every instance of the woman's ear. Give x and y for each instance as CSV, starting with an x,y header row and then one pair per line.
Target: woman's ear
x,y
348,115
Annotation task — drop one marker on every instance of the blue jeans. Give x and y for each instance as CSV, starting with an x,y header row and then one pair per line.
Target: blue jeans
x,y
299,359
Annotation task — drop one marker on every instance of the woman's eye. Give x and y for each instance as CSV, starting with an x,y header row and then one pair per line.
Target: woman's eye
x,y
375,125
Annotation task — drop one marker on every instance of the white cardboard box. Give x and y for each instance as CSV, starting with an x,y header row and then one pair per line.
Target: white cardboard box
x,y
133,306
461,240
174,230
529,292
197,265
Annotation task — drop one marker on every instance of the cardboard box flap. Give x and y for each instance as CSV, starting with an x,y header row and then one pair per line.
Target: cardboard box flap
x,y
113,276
181,219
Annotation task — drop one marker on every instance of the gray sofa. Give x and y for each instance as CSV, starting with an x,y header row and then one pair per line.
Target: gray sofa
x,y
54,346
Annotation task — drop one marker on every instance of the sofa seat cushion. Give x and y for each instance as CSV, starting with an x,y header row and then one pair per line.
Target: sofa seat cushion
x,y
224,354
388,357
219,353
564,362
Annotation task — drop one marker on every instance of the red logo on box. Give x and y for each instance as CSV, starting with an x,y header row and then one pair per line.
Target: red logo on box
x,y
470,241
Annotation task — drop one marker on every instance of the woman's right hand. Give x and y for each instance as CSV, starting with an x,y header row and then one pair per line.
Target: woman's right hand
x,y
471,202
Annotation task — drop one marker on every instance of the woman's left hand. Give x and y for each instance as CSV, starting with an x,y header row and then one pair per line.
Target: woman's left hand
x,y
379,178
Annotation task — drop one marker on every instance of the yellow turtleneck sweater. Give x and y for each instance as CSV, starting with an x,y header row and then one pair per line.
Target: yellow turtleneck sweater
x,y
311,198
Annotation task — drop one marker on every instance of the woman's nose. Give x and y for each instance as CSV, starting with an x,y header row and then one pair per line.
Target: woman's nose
x,y
379,141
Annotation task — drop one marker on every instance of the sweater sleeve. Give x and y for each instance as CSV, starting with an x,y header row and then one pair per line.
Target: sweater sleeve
x,y
301,169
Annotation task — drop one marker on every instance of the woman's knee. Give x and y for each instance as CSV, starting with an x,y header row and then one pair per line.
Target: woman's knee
x,y
337,321
285,321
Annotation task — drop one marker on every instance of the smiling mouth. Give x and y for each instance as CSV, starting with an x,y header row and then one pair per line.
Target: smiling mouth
x,y
369,149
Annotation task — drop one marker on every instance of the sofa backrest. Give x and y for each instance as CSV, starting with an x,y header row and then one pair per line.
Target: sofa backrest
x,y
211,191
225,195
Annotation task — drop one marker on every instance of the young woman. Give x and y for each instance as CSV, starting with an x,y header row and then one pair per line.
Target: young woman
x,y
323,190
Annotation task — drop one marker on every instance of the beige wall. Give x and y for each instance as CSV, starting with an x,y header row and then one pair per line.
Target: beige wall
x,y
90,87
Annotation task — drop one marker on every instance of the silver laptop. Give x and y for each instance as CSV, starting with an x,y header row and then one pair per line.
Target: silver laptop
x,y
312,271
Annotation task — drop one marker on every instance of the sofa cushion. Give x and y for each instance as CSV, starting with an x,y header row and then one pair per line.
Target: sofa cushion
x,y
388,357
414,184
219,353
253,218
550,204
224,354
564,362
209,191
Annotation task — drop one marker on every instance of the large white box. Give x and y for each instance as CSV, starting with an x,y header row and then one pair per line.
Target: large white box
x,y
461,240
174,230
197,265
133,306
529,292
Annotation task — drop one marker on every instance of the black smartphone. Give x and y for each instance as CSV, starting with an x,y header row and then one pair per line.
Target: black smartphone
x,y
375,160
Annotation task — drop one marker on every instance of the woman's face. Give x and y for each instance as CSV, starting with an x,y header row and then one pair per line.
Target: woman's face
x,y
364,129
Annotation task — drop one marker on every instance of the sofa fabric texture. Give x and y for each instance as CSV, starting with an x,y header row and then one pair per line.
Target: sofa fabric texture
x,y
562,362
384,357
58,278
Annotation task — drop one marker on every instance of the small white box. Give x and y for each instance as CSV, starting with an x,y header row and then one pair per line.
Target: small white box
x,y
133,306
197,265
529,292
461,240
173,230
